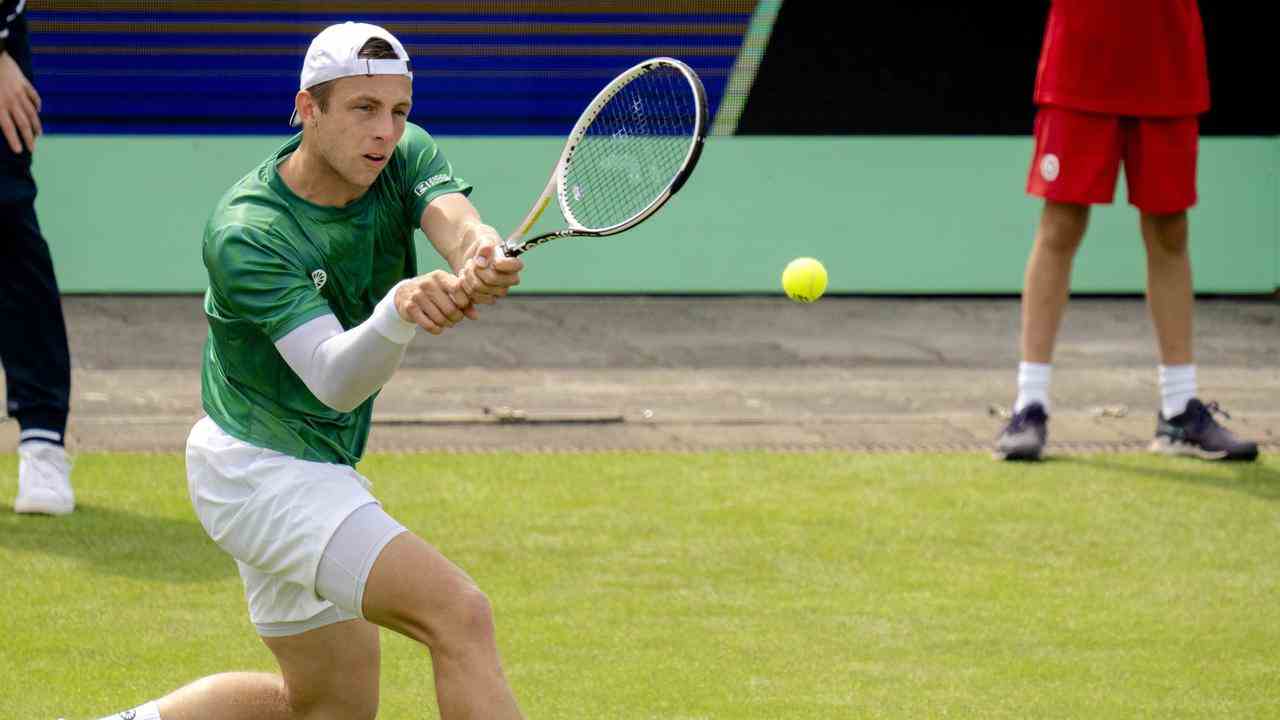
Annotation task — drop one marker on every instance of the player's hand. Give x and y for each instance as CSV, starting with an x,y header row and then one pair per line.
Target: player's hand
x,y
19,107
488,274
434,302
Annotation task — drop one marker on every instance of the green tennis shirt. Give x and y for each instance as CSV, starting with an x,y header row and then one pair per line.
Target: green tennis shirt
x,y
276,261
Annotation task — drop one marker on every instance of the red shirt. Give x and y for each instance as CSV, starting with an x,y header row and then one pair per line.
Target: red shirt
x,y
1141,58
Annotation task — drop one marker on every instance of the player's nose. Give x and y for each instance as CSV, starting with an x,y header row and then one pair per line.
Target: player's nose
x,y
385,127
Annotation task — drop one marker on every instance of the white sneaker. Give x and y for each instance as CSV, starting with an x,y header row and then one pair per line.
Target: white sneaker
x,y
44,479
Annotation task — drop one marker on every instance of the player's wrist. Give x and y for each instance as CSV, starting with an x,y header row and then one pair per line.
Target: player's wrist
x,y
388,322
468,241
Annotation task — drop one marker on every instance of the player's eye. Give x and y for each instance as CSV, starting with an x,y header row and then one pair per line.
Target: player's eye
x,y
401,113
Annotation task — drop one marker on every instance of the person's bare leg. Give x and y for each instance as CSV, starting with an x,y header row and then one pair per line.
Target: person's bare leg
x,y
1169,291
416,591
1045,290
1047,283
329,672
233,695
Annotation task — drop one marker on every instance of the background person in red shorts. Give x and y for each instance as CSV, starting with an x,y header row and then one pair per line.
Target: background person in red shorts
x,y
1118,82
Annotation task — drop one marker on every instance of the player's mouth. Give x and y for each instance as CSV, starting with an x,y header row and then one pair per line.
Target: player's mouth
x,y
375,158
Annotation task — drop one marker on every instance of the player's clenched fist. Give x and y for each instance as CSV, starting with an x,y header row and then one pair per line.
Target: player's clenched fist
x,y
434,301
488,274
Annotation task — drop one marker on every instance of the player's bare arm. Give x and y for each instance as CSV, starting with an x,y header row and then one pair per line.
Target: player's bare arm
x,y
469,245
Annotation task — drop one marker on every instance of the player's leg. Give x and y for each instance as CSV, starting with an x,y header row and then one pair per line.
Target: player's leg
x,y
329,663
33,350
414,590
1160,167
1169,292
1075,164
1046,287
1047,282
284,520
330,672
234,695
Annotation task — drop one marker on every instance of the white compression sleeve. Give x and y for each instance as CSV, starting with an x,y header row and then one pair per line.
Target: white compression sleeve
x,y
342,369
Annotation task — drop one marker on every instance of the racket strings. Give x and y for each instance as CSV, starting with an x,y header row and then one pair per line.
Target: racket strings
x,y
633,149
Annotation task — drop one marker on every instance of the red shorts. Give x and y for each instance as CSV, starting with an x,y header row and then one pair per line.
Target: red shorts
x,y
1078,155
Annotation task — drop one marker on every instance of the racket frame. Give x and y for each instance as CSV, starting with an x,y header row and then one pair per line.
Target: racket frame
x,y
513,246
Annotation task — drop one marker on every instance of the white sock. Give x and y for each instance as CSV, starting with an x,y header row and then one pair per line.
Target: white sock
x,y
1033,385
149,711
1177,387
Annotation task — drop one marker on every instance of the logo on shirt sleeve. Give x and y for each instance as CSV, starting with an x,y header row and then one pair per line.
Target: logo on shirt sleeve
x,y
319,277
421,188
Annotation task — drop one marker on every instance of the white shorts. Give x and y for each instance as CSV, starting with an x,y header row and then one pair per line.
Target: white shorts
x,y
276,514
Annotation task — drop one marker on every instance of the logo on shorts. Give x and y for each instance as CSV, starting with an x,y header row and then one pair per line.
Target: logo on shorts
x,y
1049,167
128,715
319,277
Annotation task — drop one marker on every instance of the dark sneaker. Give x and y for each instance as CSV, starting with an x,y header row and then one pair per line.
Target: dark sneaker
x,y
1197,433
1024,437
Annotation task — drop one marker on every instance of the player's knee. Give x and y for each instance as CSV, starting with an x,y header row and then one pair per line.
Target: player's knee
x,y
1062,227
472,619
477,615
1167,234
465,626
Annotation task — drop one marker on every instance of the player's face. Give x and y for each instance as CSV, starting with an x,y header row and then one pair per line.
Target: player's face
x,y
364,122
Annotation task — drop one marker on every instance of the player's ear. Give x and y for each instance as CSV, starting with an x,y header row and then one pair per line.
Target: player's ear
x,y
306,106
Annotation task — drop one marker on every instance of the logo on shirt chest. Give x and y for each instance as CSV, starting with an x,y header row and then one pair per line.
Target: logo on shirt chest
x,y
319,277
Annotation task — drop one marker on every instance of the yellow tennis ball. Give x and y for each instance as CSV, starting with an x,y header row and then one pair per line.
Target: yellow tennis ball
x,y
804,280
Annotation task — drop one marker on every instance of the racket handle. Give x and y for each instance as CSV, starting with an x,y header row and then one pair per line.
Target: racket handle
x,y
506,251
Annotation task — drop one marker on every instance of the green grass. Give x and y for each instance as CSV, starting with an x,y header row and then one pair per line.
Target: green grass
x,y
716,586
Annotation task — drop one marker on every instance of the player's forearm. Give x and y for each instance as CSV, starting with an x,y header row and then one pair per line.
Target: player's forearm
x,y
454,227
343,369
460,241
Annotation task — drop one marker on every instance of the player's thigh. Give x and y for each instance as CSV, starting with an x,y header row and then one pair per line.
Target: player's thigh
x,y
416,591
1160,157
1077,156
332,671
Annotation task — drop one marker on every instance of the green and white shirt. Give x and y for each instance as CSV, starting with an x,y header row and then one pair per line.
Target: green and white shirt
x,y
277,261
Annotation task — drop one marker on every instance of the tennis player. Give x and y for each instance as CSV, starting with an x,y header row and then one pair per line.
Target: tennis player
x,y
1118,82
313,297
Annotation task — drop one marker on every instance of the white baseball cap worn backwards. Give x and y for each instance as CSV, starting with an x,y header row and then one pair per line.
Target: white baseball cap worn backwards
x,y
332,55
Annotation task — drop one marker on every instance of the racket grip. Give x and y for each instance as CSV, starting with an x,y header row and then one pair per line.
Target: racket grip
x,y
506,251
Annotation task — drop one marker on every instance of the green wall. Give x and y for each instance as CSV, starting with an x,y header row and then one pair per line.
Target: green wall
x,y
885,214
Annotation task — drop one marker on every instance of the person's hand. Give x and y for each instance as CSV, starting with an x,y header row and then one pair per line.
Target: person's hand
x,y
19,107
488,274
434,302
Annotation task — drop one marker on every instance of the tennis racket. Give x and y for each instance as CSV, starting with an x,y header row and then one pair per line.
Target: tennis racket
x,y
631,150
